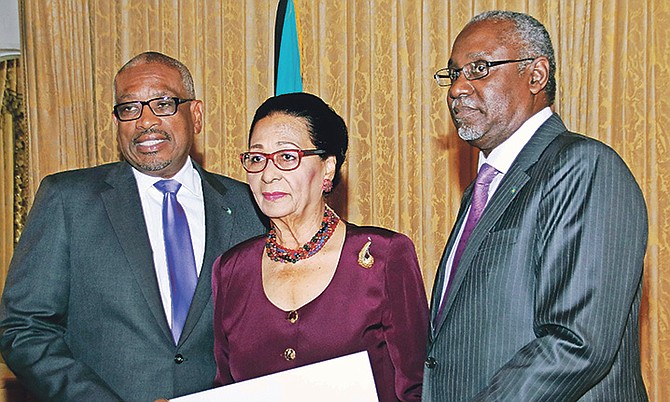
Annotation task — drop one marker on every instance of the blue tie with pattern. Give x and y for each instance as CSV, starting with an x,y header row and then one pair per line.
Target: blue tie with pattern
x,y
179,254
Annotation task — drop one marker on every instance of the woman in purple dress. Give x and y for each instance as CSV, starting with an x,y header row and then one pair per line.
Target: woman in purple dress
x,y
315,287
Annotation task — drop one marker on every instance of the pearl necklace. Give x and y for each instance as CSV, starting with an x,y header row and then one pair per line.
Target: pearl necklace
x,y
278,253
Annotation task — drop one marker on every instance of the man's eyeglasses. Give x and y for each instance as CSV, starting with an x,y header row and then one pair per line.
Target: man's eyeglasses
x,y
164,106
472,71
285,159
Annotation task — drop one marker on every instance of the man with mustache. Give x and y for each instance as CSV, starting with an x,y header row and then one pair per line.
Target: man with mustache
x,y
538,292
108,296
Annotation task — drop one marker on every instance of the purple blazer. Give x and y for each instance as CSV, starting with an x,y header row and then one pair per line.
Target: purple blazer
x,y
382,309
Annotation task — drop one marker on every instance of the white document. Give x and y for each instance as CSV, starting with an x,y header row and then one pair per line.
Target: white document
x,y
346,378
10,42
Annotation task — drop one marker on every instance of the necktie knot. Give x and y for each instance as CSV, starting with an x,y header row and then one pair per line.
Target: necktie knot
x,y
168,186
486,175
480,194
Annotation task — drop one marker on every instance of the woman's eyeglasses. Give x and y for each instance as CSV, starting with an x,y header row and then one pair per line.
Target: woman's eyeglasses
x,y
285,159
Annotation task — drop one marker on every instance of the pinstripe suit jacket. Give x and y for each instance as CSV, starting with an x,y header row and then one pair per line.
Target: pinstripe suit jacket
x,y
81,316
544,304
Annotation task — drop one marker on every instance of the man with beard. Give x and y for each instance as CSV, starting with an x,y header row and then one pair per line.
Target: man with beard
x,y
537,295
108,296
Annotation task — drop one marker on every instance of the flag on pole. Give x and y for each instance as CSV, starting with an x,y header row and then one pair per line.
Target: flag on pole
x,y
288,75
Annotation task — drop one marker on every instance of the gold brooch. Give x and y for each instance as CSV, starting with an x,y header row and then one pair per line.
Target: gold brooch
x,y
365,259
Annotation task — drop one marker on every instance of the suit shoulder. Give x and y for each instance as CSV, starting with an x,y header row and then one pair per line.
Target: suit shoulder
x,y
85,172
576,151
581,160
571,142
81,177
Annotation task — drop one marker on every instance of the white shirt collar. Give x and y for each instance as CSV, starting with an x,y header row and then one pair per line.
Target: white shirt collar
x,y
187,176
504,154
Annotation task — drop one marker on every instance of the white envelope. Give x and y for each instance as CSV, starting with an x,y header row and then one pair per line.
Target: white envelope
x,y
346,378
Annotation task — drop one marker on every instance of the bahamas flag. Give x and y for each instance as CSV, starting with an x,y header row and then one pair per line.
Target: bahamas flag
x,y
288,77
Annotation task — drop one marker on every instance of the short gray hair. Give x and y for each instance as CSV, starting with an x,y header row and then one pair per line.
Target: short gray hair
x,y
160,58
533,38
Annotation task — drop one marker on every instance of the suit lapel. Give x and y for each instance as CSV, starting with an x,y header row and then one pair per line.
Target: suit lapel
x,y
438,285
124,208
218,230
513,181
511,185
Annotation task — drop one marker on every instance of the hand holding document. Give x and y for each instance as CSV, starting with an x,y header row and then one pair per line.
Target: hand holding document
x,y
346,378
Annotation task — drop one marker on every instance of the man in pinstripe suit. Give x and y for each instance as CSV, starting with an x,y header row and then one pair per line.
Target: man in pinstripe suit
x,y
543,302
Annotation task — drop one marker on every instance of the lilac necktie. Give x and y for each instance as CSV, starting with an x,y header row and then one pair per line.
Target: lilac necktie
x,y
480,195
179,253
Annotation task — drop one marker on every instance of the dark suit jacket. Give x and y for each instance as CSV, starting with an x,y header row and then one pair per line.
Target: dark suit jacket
x,y
81,315
544,304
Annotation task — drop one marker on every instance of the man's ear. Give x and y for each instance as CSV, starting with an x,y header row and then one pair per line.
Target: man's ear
x,y
116,121
539,74
196,115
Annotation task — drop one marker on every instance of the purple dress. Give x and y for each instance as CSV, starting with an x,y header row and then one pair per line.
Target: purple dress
x,y
382,309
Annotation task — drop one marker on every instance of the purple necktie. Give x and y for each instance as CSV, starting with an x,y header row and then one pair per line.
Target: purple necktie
x,y
179,254
480,195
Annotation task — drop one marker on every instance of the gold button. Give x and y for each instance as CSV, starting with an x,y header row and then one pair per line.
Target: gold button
x,y
292,316
289,354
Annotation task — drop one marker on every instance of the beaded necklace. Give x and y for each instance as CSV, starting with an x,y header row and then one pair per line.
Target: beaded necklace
x,y
278,253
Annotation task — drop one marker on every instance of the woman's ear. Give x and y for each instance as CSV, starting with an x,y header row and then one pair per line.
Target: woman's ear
x,y
331,164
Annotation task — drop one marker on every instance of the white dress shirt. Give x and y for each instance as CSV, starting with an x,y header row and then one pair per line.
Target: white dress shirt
x,y
191,198
501,158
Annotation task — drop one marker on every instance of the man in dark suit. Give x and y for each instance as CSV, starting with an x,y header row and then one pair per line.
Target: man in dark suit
x,y
87,310
537,297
